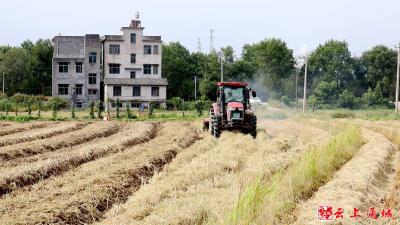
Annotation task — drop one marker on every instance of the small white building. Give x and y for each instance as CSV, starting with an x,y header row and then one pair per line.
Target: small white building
x,y
132,68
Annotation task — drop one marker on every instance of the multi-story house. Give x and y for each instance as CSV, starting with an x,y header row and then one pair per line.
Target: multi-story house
x,y
125,67
132,67
76,68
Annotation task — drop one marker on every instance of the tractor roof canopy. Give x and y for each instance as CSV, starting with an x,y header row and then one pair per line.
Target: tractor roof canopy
x,y
232,84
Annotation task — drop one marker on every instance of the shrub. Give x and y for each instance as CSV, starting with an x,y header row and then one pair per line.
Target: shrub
x,y
118,110
73,111
91,106
176,103
200,105
312,101
100,109
57,103
152,106
17,99
5,105
28,102
339,115
129,114
346,99
286,100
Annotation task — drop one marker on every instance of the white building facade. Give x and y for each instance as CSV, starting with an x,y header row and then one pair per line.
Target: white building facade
x,y
132,68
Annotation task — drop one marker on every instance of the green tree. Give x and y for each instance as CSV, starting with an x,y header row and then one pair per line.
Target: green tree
x,y
118,102
100,109
28,102
91,106
274,62
73,116
39,66
331,62
313,102
326,92
380,65
178,69
129,114
15,66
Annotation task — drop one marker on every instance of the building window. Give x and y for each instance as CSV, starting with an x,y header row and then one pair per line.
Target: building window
x,y
155,49
92,91
135,104
147,69
116,90
92,57
63,67
63,89
133,74
78,67
155,91
78,89
136,91
114,68
92,78
155,69
147,49
78,104
133,38
133,58
114,49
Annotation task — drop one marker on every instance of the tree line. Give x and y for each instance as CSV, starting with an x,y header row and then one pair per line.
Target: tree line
x,y
335,77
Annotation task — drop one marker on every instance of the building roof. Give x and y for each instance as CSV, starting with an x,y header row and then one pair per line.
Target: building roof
x,y
112,38
137,81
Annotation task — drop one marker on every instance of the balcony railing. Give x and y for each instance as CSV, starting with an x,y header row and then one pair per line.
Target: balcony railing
x,y
151,38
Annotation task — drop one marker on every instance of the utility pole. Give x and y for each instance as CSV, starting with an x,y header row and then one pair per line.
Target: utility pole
x,y
305,84
211,40
297,80
198,45
3,82
222,65
195,87
397,80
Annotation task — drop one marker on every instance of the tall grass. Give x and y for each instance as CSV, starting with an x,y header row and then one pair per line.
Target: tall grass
x,y
273,200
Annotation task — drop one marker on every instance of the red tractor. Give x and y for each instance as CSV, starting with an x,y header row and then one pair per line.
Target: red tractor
x,y
232,111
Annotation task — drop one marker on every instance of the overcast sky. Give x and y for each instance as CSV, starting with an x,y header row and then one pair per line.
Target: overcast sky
x,y
362,23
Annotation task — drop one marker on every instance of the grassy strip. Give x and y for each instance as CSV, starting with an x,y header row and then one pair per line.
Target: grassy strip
x,y
273,201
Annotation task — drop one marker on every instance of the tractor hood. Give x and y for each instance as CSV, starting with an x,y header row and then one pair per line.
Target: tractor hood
x,y
235,105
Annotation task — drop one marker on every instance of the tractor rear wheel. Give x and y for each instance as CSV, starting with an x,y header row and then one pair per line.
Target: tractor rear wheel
x,y
210,123
253,126
216,122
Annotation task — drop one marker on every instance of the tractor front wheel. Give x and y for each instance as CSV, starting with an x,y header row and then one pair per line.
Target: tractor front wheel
x,y
216,123
253,127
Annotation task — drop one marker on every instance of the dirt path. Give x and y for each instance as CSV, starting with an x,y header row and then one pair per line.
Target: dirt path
x,y
361,183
